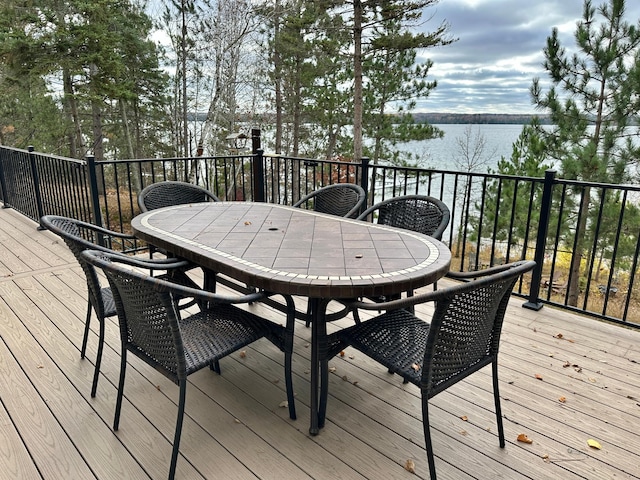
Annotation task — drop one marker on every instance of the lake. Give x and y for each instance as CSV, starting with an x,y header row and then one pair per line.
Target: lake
x,y
444,153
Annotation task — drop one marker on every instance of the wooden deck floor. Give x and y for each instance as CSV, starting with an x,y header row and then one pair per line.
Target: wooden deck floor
x,y
235,427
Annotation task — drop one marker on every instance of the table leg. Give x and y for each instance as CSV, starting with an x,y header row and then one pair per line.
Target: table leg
x,y
319,364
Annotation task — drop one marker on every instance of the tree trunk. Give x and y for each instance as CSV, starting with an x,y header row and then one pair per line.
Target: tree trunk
x,y
125,128
357,80
277,74
183,63
77,147
573,288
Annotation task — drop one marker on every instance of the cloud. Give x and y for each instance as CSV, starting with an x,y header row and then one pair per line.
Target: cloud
x,y
499,51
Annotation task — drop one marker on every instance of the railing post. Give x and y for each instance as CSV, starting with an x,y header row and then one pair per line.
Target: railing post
x,y
6,203
95,197
364,179
541,241
36,185
258,166
258,176
255,140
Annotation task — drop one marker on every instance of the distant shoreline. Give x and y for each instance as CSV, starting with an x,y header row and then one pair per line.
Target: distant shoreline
x,y
479,118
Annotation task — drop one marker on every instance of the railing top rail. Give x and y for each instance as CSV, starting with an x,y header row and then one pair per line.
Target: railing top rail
x,y
174,159
616,186
304,159
457,172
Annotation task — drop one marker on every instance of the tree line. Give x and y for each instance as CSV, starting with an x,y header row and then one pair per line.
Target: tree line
x,y
119,78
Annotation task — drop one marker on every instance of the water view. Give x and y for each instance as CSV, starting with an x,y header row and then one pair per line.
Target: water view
x,y
443,153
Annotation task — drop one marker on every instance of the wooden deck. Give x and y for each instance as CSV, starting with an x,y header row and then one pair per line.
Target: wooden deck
x,y
235,427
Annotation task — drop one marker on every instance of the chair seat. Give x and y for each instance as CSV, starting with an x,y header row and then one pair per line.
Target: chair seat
x,y
215,333
396,339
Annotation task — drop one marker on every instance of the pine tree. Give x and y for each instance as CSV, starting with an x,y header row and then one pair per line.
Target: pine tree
x,y
593,102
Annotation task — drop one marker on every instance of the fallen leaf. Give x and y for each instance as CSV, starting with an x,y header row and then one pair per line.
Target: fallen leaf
x,y
415,366
284,404
562,399
594,444
559,335
243,354
538,376
567,364
345,378
342,353
464,418
524,439
464,433
332,369
410,466
546,458
247,223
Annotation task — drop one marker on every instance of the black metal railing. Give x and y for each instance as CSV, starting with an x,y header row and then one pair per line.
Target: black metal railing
x,y
494,218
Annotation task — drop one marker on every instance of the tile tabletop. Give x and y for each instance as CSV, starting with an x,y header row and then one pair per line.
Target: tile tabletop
x,y
295,251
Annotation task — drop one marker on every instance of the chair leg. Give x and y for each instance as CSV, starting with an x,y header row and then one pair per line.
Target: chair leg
x,y
96,371
85,337
288,377
288,354
307,322
215,366
427,436
176,436
496,397
356,316
123,370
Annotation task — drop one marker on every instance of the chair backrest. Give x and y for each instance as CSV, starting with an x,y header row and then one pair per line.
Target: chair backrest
x,y
464,334
419,213
340,199
169,193
80,236
147,316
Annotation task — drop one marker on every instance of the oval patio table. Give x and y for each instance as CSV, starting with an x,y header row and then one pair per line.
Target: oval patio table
x,y
294,251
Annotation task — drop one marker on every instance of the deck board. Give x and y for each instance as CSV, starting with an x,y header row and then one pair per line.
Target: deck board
x,y
235,426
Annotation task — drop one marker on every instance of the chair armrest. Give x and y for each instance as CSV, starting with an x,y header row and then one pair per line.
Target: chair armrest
x,y
148,264
304,199
104,231
466,276
367,212
392,304
522,266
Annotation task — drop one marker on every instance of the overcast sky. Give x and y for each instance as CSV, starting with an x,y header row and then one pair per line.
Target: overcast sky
x,y
499,51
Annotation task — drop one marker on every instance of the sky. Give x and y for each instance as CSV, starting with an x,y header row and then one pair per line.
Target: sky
x,y
499,51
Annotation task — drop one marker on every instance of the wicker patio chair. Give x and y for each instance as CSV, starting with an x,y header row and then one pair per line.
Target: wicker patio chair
x,y
80,236
462,337
340,199
169,193
419,213
152,330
